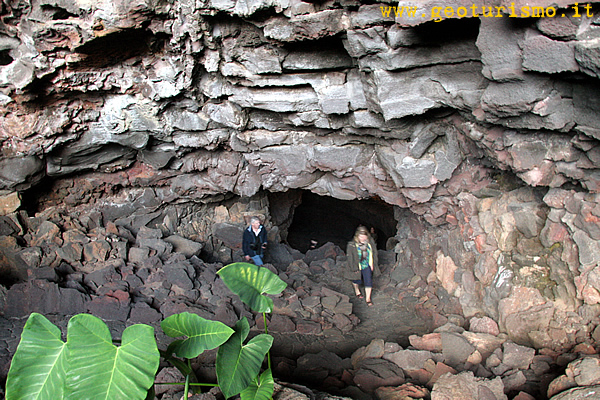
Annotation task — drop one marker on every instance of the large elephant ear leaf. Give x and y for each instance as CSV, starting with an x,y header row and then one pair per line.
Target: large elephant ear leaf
x,y
239,364
202,334
261,388
100,370
250,281
37,370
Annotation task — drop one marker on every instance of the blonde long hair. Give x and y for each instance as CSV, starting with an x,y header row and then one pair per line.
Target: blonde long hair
x,y
361,230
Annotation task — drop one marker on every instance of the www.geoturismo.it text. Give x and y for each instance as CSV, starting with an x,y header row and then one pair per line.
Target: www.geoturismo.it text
x,y
437,14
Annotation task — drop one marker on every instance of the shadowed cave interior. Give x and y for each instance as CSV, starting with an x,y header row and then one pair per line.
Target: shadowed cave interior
x,y
327,219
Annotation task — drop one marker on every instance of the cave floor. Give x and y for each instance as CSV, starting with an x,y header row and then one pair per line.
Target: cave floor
x,y
388,318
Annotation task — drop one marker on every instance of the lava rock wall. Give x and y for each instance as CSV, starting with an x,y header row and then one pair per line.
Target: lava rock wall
x,y
482,131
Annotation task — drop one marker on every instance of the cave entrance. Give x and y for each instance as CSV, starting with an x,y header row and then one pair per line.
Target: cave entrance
x,y
326,219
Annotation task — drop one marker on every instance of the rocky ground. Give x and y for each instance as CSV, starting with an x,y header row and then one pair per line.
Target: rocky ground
x,y
412,342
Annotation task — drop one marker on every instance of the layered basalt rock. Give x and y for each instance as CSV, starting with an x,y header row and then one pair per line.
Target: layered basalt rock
x,y
187,117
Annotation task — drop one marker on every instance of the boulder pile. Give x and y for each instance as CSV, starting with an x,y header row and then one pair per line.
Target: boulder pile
x,y
454,363
62,264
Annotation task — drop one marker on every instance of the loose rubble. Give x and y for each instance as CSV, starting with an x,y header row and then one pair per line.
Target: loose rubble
x,y
126,276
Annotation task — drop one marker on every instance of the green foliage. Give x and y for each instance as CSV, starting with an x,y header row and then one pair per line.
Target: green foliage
x,y
261,388
37,370
238,364
87,366
100,370
250,281
201,334
90,366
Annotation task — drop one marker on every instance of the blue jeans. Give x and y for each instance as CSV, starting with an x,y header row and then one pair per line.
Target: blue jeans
x,y
257,260
366,277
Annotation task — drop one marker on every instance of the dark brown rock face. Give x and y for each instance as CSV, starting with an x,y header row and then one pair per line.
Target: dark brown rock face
x,y
136,138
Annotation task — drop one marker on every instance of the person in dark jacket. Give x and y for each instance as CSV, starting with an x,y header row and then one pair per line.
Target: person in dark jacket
x,y
362,262
254,241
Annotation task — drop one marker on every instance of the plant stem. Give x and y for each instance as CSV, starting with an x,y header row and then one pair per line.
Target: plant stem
x,y
204,384
265,322
187,386
187,380
267,332
190,384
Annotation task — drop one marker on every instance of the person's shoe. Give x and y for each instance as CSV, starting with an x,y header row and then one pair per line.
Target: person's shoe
x,y
369,303
359,295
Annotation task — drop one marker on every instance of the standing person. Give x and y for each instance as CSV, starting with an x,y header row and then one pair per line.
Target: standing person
x,y
254,241
362,262
373,235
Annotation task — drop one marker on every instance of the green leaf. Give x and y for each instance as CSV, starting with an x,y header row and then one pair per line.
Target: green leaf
x,y
238,364
182,366
250,281
201,333
260,389
100,370
37,370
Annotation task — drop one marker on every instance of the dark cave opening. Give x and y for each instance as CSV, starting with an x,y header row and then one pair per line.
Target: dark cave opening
x,y
113,48
5,57
326,219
